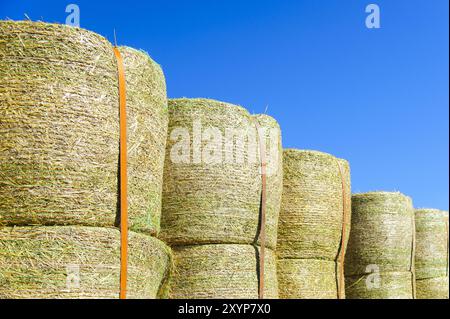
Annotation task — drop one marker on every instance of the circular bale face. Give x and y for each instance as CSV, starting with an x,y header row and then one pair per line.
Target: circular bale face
x,y
59,128
221,272
433,288
212,180
307,279
382,233
431,243
79,262
389,285
312,216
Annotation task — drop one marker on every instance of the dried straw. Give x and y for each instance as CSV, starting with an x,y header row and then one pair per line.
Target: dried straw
x,y
433,288
381,239
307,279
211,194
311,216
432,254
388,285
59,128
221,271
432,243
311,224
79,262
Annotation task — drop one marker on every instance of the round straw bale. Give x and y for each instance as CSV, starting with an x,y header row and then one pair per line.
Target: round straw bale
x,y
431,243
307,279
212,181
311,216
79,262
433,288
59,128
388,285
382,233
221,272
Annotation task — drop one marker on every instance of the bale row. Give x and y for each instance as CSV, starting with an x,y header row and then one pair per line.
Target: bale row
x,y
212,181
311,224
431,258
221,272
59,128
381,247
79,262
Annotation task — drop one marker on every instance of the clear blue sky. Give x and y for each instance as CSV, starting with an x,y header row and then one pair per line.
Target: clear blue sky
x,y
378,98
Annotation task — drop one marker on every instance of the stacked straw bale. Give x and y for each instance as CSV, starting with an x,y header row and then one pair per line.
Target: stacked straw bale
x,y
218,201
79,262
432,254
59,154
311,224
212,194
380,258
221,272
59,128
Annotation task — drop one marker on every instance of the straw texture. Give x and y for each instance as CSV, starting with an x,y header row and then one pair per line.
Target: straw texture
x,y
307,279
221,271
433,288
381,239
432,254
311,216
212,195
390,285
382,232
59,128
79,262
432,243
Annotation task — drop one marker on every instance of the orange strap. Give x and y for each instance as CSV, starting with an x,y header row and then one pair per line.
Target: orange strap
x,y
341,254
262,151
123,177
413,256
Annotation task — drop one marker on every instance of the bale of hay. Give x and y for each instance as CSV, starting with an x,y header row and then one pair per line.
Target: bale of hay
x,y
59,128
433,288
221,272
382,233
431,243
307,279
431,258
79,262
311,216
389,285
212,181
381,240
